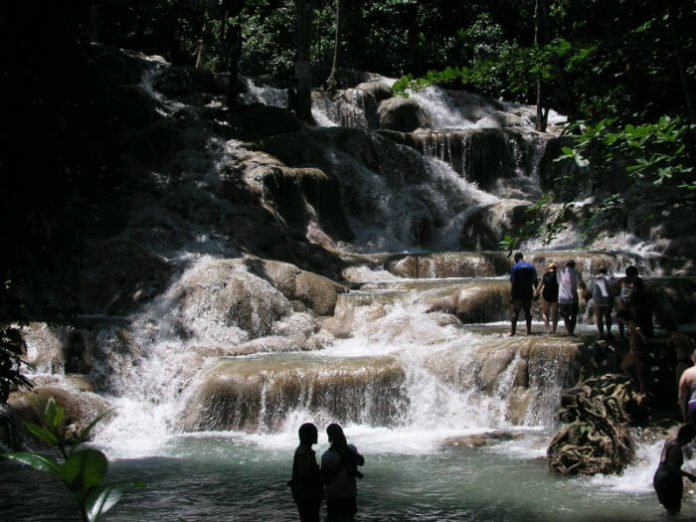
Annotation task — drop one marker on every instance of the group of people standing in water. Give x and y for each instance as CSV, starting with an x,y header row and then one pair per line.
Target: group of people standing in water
x,y
335,481
560,291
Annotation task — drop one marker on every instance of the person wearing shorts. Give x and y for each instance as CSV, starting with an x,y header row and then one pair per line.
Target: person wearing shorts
x,y
523,283
569,280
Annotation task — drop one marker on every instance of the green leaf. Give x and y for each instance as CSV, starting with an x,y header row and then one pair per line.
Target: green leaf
x,y
42,433
34,460
84,434
84,469
102,499
54,413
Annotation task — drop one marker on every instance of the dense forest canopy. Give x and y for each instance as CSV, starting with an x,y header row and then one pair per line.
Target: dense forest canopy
x,y
623,71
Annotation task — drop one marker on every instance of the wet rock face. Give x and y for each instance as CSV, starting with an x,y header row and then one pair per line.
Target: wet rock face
x,y
316,292
185,80
222,294
379,90
475,302
448,264
122,274
402,114
254,122
81,407
236,395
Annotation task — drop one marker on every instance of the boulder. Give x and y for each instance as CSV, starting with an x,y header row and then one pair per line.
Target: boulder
x,y
257,121
81,408
185,80
316,292
475,302
219,298
380,91
402,114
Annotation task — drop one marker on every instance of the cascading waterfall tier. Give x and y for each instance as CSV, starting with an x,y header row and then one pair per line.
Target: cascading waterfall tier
x,y
237,342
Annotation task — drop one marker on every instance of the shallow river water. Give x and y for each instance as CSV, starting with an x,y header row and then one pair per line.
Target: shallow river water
x,y
216,477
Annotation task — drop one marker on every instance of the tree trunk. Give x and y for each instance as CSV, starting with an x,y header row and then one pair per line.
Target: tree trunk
x,y
202,49
539,36
303,98
332,82
233,47
688,98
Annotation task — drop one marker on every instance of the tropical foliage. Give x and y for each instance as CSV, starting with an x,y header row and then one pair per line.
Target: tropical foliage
x,y
82,469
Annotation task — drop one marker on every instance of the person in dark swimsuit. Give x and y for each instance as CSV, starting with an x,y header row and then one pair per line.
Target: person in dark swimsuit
x,y
667,480
548,289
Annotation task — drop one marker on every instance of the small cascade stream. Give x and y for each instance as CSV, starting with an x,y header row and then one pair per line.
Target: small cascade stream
x,y
210,379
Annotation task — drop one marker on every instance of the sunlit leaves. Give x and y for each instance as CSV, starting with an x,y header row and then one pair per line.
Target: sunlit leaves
x,y
82,470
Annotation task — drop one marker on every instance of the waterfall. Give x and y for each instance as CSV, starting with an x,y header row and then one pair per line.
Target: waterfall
x,y
394,367
266,94
225,346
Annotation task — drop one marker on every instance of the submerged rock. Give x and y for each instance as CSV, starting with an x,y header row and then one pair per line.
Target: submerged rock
x,y
480,440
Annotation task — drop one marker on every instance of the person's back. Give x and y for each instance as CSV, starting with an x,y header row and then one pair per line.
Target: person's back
x,y
550,286
600,288
568,281
339,468
306,483
523,282
340,478
523,278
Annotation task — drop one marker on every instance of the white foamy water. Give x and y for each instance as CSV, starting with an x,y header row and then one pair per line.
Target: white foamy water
x,y
188,326
266,94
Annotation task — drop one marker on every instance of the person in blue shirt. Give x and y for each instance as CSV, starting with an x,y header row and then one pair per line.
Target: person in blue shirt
x,y
523,283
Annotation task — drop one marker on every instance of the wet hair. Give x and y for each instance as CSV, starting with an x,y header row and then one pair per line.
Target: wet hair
x,y
308,433
340,445
518,256
336,435
686,433
631,271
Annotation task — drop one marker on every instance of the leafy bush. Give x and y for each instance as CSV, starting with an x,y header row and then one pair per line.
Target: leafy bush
x,y
82,470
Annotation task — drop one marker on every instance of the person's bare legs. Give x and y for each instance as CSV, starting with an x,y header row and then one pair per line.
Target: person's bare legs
x,y
607,320
545,305
528,317
599,319
514,314
554,317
